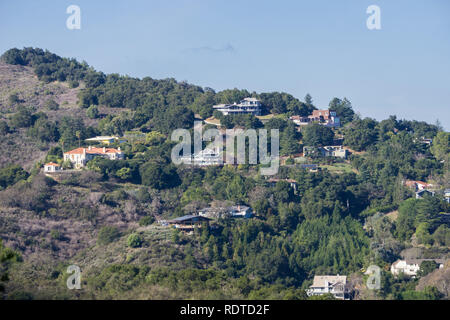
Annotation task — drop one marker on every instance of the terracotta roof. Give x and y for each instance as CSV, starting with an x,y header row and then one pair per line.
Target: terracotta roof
x,y
320,113
52,164
93,150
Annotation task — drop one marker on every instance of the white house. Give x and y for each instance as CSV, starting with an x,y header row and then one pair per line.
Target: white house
x,y
411,267
447,195
420,194
336,285
106,139
206,157
80,156
326,151
52,167
247,105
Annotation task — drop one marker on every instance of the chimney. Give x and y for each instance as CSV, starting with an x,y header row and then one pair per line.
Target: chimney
x,y
90,147
84,151
104,149
118,148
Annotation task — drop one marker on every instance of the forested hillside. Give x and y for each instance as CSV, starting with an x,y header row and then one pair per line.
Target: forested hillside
x,y
106,218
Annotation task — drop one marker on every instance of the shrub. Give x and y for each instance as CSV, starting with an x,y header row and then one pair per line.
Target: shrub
x,y
52,105
4,128
134,240
107,235
92,112
147,220
22,119
13,98
11,174
74,84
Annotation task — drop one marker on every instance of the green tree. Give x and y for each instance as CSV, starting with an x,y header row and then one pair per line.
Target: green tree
x,y
427,267
343,109
134,240
158,176
289,141
317,135
361,134
22,119
441,146
92,112
9,175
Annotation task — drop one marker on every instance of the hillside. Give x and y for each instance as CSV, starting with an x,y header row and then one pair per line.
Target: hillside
x,y
329,213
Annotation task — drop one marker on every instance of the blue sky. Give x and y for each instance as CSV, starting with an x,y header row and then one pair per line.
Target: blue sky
x,y
321,47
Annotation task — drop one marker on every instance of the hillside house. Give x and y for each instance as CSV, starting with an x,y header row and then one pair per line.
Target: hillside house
x,y
188,223
310,167
206,157
423,193
326,151
417,185
447,195
106,139
239,211
292,182
52,167
80,156
336,285
300,121
245,106
411,267
327,118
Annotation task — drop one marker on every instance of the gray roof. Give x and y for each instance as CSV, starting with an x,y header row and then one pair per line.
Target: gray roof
x,y
319,281
186,218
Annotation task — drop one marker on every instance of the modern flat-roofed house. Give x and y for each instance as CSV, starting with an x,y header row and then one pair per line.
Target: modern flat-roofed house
x,y
423,193
80,156
335,151
106,139
247,105
188,223
326,151
238,211
206,157
411,267
336,285
52,167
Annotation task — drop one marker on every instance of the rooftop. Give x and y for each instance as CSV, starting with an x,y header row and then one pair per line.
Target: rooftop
x,y
320,281
52,164
93,150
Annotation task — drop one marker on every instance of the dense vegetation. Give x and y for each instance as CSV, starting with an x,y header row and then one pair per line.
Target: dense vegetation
x,y
332,223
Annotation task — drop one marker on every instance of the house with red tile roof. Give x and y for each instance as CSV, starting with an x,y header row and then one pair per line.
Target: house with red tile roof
x,y
52,167
80,156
